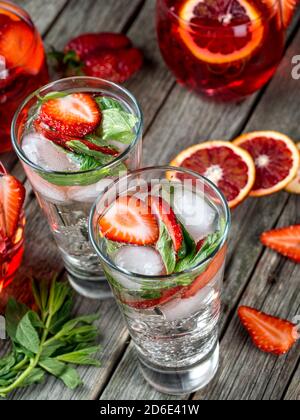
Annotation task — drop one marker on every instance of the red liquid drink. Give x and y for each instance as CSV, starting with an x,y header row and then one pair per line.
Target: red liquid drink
x,y
22,64
12,224
226,49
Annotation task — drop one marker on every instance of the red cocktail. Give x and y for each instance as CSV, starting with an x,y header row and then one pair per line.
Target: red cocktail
x,y
12,223
22,64
222,48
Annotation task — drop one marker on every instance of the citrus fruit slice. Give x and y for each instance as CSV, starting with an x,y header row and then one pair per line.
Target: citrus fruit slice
x,y
218,33
276,160
294,186
226,165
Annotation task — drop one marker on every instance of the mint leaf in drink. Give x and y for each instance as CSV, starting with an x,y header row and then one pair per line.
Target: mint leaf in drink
x,y
166,249
79,147
85,163
106,102
47,341
118,125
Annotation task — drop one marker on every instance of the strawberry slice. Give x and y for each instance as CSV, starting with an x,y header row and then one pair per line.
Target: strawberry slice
x,y
62,140
74,115
288,8
269,334
207,276
151,303
285,240
12,196
130,220
164,211
85,44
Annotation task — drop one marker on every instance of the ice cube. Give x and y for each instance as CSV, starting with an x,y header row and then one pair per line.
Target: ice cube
x,y
48,191
180,309
89,193
198,217
46,154
139,260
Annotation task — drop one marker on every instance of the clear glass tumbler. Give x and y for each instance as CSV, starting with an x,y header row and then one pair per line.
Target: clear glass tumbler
x,y
64,198
172,319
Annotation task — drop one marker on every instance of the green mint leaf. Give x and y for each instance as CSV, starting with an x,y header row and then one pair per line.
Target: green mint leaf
x,y
79,147
105,102
84,162
36,376
51,348
118,125
58,294
6,364
166,249
15,311
27,335
81,357
112,247
67,374
52,95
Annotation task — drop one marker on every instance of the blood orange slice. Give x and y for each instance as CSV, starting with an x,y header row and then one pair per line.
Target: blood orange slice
x,y
221,32
276,160
228,166
294,186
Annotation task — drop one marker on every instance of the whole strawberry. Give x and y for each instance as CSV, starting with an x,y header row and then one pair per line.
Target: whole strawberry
x,y
106,55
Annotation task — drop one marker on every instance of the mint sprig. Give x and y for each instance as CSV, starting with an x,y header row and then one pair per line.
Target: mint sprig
x,y
48,341
166,249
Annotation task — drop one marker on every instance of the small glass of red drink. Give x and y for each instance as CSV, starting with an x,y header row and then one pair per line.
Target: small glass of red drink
x,y
12,225
225,49
23,65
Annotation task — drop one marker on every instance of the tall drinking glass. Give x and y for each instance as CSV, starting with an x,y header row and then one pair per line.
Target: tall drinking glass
x,y
170,300
66,197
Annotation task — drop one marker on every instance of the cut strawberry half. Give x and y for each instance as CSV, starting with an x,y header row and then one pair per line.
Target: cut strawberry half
x,y
285,240
85,44
166,214
226,165
63,140
12,196
74,115
224,18
130,220
269,334
208,275
276,160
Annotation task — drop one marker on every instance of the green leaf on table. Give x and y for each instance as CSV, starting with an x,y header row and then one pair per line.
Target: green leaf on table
x,y
36,376
67,374
166,249
58,294
26,333
6,363
15,311
118,125
81,357
62,316
106,102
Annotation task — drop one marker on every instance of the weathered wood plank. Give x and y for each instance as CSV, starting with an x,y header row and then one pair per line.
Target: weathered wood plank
x,y
293,392
247,373
42,13
200,121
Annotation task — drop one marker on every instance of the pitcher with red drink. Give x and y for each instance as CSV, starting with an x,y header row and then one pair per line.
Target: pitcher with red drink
x,y
226,49
22,64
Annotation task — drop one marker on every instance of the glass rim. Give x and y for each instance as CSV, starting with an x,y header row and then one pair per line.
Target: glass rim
x,y
115,162
142,277
196,25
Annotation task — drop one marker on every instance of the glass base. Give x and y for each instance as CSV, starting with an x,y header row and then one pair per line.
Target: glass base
x,y
96,288
182,380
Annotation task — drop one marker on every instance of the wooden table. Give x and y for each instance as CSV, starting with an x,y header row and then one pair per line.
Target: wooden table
x,y
175,119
